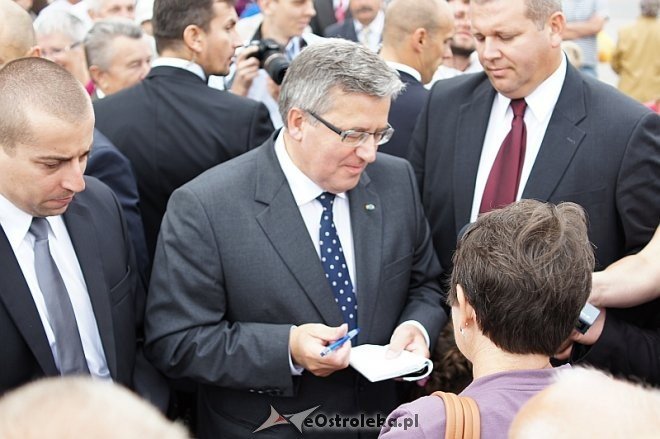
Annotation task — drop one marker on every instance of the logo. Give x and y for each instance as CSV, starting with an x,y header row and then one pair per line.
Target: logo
x,y
295,419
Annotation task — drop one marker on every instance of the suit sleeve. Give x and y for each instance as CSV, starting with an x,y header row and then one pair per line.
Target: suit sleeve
x,y
425,297
261,127
418,144
188,329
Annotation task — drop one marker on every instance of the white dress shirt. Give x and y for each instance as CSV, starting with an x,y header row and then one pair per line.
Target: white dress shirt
x,y
180,63
540,104
374,34
16,224
405,69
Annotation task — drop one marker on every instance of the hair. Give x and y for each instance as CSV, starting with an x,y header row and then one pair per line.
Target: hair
x,y
30,84
61,22
60,408
649,8
539,11
17,32
526,271
171,17
402,17
587,403
99,39
96,5
335,64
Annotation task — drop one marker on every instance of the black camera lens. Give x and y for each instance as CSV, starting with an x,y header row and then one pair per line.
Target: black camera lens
x,y
271,58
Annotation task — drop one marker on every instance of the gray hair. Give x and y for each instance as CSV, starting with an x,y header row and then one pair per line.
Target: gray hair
x,y
61,22
335,64
539,11
96,5
649,8
98,42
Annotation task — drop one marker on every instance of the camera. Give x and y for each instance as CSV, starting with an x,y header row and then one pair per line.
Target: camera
x,y
588,316
271,58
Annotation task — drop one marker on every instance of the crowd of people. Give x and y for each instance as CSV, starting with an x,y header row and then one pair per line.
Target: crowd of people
x,y
195,204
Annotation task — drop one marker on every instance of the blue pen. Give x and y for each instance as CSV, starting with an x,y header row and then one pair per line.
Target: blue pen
x,y
337,344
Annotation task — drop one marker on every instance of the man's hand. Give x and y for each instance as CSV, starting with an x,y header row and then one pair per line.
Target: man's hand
x,y
409,338
307,341
591,337
246,70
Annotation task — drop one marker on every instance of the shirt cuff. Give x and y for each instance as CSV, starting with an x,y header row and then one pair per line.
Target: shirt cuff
x,y
295,370
421,328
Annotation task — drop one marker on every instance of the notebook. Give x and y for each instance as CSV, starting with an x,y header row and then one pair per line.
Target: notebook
x,y
370,361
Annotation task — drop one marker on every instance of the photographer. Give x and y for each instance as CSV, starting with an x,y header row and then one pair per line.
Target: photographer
x,y
285,22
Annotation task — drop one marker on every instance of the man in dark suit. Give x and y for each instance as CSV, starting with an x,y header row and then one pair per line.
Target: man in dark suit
x,y
70,299
585,142
171,126
416,39
326,14
252,280
365,26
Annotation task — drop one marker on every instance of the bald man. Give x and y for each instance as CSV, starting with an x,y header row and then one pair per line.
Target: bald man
x,y
17,37
416,41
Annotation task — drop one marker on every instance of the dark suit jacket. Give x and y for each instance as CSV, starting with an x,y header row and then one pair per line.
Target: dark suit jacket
x,y
345,30
172,127
101,240
235,269
403,115
109,165
325,16
601,150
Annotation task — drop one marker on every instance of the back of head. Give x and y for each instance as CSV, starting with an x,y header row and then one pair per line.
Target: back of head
x,y
335,64
98,41
60,408
171,17
526,271
36,84
586,403
16,33
402,17
649,8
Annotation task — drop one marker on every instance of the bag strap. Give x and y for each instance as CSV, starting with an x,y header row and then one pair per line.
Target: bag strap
x,y
462,416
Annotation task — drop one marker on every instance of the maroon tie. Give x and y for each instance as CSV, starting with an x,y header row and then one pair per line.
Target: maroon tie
x,y
504,178
340,13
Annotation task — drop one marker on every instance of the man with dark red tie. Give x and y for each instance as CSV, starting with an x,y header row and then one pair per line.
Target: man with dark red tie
x,y
531,126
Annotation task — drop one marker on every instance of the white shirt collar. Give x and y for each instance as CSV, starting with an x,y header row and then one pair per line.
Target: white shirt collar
x,y
406,69
16,222
542,100
303,188
180,63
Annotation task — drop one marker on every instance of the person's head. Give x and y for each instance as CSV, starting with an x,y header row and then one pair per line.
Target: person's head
x,y
518,42
144,11
60,36
349,87
417,33
285,19
17,37
365,11
64,407
118,54
46,131
521,276
463,42
649,8
202,31
586,403
104,9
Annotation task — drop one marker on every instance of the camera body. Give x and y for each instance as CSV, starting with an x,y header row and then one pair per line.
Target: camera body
x,y
271,58
588,316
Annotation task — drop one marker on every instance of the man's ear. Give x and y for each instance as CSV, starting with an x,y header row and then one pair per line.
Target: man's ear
x,y
556,24
295,119
194,38
34,51
419,39
97,75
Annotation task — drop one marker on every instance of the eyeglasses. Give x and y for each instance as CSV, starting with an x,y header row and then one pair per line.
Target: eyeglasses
x,y
356,138
46,53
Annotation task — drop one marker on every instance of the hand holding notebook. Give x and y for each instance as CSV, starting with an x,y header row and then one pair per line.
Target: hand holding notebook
x,y
371,361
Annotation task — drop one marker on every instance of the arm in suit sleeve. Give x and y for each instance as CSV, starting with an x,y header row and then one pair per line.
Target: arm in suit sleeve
x,y
188,329
418,145
261,127
425,297
638,184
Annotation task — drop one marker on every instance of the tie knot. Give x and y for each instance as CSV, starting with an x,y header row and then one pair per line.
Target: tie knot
x,y
39,228
518,106
326,199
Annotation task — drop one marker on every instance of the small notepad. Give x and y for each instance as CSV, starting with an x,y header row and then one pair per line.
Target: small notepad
x,y
370,361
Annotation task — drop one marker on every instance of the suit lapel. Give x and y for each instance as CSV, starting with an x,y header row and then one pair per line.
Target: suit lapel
x,y
283,225
561,139
470,133
17,298
366,224
79,224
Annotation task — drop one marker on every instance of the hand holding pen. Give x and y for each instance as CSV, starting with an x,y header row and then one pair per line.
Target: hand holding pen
x,y
337,344
308,340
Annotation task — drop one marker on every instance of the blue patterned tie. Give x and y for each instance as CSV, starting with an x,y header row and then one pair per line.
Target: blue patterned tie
x,y
334,263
